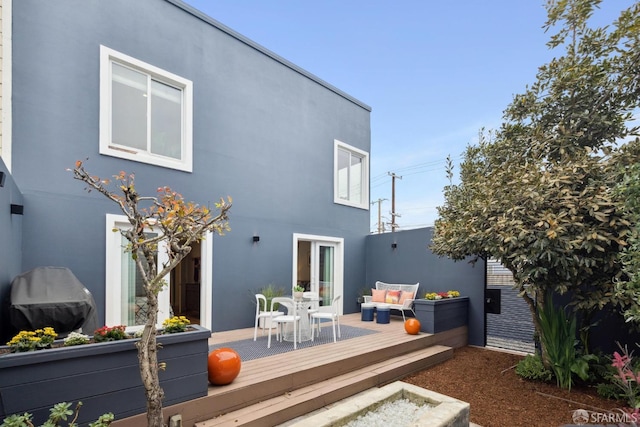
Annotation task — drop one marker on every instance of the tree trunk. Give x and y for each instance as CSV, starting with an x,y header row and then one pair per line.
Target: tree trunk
x,y
149,369
533,308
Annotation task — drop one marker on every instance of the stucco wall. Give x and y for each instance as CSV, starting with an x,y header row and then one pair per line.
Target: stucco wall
x,y
412,261
263,131
10,246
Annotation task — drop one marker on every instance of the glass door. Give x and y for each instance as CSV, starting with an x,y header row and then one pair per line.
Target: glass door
x,y
125,299
323,271
318,266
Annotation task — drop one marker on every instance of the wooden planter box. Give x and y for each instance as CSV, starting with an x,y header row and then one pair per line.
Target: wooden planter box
x,y
441,315
104,376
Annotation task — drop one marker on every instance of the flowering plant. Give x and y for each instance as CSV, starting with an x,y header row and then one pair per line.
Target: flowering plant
x,y
175,324
76,338
113,333
627,378
32,340
441,295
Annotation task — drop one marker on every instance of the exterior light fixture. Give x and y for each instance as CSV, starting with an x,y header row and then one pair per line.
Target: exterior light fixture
x,y
17,209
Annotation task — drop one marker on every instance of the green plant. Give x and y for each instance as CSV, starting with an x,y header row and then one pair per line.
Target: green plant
x,y
59,412
107,333
76,338
558,337
609,391
270,292
32,340
175,324
298,288
532,368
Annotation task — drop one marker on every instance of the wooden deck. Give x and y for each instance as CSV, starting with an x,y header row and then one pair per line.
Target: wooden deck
x,y
271,390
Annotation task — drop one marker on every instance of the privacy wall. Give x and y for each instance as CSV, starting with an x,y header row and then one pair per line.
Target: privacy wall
x,y
405,257
10,243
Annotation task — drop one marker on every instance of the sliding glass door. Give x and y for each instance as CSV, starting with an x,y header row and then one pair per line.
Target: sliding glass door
x,y
318,266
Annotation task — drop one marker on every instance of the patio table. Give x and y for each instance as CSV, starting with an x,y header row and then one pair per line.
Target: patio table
x,y
304,331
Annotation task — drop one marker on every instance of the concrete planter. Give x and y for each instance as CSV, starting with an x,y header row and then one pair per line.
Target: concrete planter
x,y
265,323
104,376
441,315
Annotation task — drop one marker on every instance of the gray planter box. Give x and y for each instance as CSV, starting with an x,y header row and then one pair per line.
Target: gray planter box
x,y
441,315
104,376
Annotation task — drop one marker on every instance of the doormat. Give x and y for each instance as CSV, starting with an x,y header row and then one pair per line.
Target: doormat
x,y
250,349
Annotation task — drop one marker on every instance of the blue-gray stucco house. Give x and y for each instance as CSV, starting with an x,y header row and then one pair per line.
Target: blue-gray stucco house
x,y
158,89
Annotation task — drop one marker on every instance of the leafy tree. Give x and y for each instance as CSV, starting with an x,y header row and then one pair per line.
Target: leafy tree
x,y
179,225
628,288
538,194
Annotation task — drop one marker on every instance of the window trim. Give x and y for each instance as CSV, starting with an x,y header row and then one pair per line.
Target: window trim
x,y
108,55
364,202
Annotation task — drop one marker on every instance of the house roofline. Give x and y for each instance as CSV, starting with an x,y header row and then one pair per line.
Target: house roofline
x,y
200,15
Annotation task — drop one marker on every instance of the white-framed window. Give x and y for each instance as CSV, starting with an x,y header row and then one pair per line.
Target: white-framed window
x,y
351,180
145,112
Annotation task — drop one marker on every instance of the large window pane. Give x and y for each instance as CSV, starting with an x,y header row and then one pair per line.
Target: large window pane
x,y
355,179
343,174
166,120
129,107
134,301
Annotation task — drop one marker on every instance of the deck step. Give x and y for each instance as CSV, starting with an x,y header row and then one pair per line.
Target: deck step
x,y
304,400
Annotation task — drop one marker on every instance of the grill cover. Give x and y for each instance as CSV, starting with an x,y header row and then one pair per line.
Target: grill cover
x,y
52,296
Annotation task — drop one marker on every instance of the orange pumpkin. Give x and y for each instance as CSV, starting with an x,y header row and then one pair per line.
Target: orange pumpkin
x,y
412,326
223,366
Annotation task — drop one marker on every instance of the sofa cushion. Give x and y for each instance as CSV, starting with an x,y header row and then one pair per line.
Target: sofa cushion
x,y
405,296
378,295
392,297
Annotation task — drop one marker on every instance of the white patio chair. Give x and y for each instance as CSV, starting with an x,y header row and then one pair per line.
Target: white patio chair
x,y
266,314
290,317
333,315
314,304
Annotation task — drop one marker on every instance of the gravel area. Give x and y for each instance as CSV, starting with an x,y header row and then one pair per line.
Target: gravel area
x,y
398,413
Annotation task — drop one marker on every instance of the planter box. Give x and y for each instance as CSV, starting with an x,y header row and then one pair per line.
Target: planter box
x,y
441,315
104,376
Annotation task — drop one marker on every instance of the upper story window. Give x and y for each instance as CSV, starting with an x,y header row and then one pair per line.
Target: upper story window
x,y
145,112
351,180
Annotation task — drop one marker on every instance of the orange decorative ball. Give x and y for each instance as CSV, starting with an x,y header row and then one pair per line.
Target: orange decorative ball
x,y
223,366
412,326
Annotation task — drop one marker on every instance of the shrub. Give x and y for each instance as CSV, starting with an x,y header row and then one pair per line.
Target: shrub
x,y
59,412
532,368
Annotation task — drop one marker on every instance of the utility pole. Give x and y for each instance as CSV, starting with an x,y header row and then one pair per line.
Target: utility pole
x,y
380,224
393,200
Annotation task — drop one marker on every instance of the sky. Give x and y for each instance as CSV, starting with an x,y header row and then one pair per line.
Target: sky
x,y
434,72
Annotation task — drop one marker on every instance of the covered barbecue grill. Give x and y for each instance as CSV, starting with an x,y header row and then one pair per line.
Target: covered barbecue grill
x,y
52,296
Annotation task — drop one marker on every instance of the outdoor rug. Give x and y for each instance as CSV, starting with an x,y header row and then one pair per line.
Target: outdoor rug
x,y
250,349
